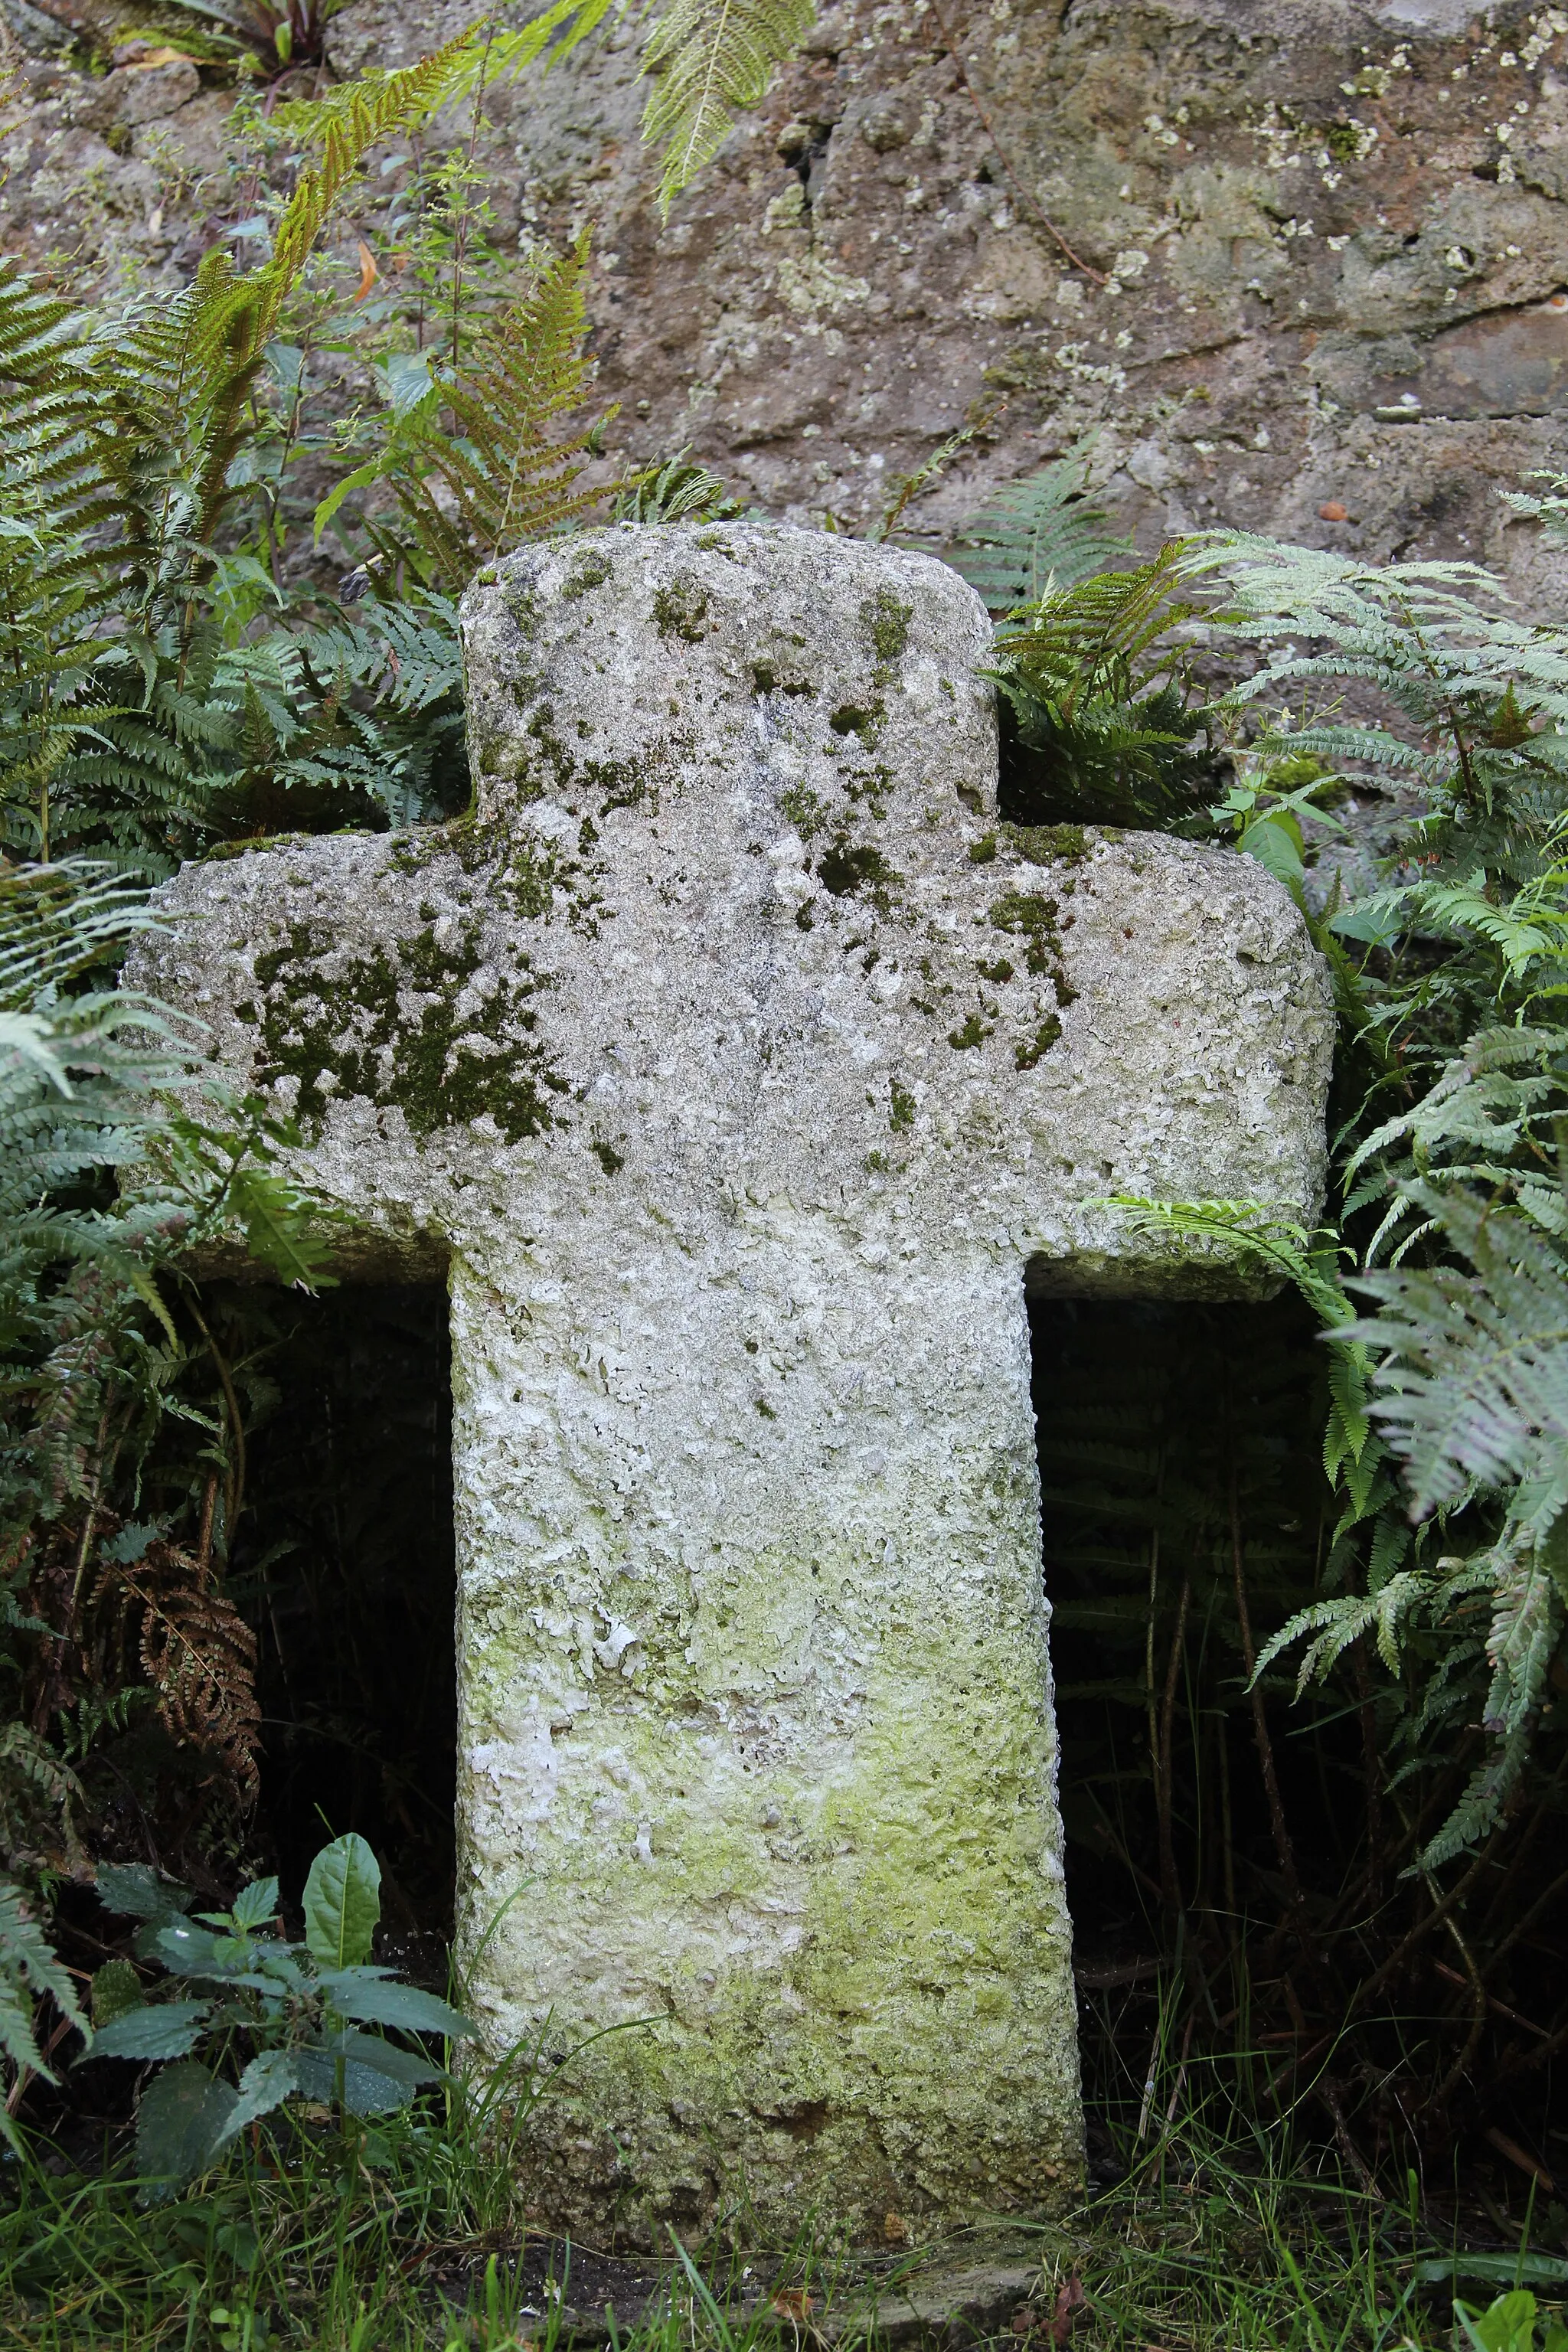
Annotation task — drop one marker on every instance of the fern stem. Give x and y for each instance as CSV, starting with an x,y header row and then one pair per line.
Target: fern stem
x,y
1462,2064
1283,1848
1163,1778
233,1481
1150,1709
1372,1774
84,1550
1422,1930
460,247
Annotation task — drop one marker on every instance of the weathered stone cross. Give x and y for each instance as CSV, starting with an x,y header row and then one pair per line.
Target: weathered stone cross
x,y
743,1070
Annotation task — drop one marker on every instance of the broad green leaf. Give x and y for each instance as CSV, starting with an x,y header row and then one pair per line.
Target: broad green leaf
x,y
265,2083
183,1948
253,1905
130,1889
406,379
342,1902
366,2089
157,2030
404,2006
1276,843
381,2057
116,1991
181,2122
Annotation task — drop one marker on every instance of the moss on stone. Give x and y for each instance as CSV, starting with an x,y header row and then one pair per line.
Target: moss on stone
x,y
1040,1044
679,610
1031,917
887,618
562,773
852,718
590,572
850,866
350,1034
805,810
1050,844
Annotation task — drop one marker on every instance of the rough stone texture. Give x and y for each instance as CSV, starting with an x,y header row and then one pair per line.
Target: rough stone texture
x,y
743,1067
1334,238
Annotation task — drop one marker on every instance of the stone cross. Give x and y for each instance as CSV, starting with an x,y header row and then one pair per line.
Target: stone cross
x,y
744,1070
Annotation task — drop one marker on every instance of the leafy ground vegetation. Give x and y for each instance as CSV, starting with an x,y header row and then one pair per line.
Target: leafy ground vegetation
x,y
1309,1560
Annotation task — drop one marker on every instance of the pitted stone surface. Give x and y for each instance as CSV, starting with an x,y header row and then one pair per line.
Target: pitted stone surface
x,y
743,1065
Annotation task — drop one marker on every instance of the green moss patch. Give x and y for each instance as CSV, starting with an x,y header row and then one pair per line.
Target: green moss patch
x,y
887,620
1040,1044
680,610
1050,844
385,1027
1031,917
850,866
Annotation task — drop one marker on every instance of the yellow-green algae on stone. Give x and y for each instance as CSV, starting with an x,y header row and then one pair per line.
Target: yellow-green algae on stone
x,y
759,1848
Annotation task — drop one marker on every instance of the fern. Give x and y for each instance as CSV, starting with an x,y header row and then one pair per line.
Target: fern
x,y
194,1646
1036,537
1484,698
1096,678
676,491
474,488
1475,1369
712,60
28,1968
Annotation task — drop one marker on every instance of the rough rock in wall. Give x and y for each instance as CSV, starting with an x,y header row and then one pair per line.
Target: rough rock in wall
x,y
1291,264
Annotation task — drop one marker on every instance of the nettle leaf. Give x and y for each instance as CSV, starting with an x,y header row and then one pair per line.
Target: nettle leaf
x,y
381,2057
157,2030
265,2083
134,1891
180,2123
373,2083
403,2006
342,1902
184,1949
116,1991
253,1905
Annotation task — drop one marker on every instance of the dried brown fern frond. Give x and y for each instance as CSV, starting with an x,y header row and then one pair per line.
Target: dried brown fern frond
x,y
195,1650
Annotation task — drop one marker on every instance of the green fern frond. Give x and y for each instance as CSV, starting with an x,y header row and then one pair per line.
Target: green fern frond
x,y
1036,536
1095,679
713,61
677,491
1474,1366
28,1968
360,114
497,479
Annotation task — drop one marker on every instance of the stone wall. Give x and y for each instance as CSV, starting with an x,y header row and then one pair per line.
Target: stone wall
x,y
1297,265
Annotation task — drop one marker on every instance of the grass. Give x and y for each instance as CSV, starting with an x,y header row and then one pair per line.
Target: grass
x,y
1220,2233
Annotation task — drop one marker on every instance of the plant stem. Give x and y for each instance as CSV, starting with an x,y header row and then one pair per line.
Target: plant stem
x,y
1284,1850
